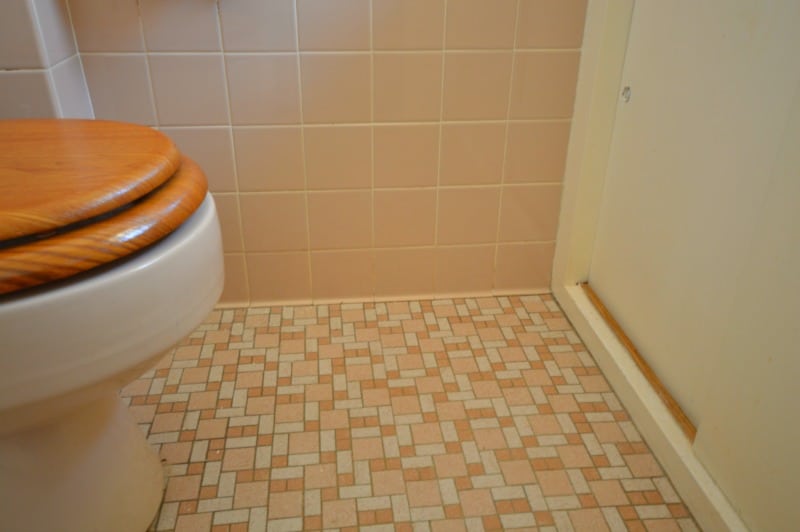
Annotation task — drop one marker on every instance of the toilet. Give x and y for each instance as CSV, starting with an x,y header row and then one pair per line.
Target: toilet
x,y
110,254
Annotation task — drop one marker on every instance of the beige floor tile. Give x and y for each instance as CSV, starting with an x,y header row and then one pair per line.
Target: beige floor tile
x,y
447,415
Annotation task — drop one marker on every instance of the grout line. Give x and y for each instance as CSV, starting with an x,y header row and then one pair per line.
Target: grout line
x,y
41,47
79,54
439,148
54,65
146,54
394,248
229,127
303,146
322,125
395,189
351,52
374,281
54,97
4,70
505,146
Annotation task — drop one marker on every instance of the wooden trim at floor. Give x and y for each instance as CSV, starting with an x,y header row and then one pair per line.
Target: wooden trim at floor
x,y
672,405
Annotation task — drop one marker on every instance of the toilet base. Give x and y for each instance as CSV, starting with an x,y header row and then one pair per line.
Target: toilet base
x,y
92,469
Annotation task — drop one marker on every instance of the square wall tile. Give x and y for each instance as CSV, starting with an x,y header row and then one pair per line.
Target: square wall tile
x,y
336,88
406,156
119,86
71,89
26,94
407,24
235,290
529,212
56,28
551,23
264,89
480,24
329,26
524,267
476,85
212,149
279,277
274,221
229,222
472,154
468,215
341,274
269,158
257,26
407,87
338,157
19,43
537,151
544,84
107,25
180,25
404,272
176,79
340,219
463,269
404,217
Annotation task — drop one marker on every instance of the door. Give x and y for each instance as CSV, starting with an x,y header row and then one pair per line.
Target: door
x,y
696,250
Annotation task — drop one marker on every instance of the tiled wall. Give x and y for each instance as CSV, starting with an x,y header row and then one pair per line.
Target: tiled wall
x,y
356,148
40,69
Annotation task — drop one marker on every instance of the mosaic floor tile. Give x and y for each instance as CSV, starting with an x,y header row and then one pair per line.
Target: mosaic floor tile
x,y
457,414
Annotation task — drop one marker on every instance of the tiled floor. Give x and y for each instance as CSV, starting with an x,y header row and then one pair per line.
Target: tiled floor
x,y
463,414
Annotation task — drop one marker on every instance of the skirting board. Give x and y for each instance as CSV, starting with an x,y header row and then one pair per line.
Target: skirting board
x,y
708,504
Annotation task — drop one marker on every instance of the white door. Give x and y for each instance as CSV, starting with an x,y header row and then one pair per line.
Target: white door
x,y
696,252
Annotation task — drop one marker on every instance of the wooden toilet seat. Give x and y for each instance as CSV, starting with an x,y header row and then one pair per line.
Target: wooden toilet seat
x,y
78,194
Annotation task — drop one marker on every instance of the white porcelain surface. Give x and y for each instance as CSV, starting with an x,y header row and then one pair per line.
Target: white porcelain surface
x,y
71,456
90,470
62,345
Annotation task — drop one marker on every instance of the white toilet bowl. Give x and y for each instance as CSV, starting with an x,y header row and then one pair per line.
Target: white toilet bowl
x,y
71,456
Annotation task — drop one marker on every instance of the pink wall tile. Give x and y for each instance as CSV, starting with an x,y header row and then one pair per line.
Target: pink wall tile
x,y
359,148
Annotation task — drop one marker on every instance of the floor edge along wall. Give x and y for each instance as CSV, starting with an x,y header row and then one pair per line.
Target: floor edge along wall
x,y
663,433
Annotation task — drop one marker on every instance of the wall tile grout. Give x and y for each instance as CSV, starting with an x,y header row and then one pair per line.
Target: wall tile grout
x,y
431,51
77,49
439,147
320,125
392,248
48,69
392,189
374,280
505,141
304,155
229,126
145,52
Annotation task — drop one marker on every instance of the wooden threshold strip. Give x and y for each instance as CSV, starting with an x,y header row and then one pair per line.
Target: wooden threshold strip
x,y
670,402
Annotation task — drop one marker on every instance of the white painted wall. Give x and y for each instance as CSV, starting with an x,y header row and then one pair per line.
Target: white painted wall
x,y
697,249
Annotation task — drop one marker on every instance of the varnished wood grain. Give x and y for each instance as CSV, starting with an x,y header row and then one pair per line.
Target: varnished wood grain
x,y
58,172
142,224
672,405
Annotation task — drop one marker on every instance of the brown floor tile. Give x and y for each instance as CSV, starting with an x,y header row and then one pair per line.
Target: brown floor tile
x,y
443,413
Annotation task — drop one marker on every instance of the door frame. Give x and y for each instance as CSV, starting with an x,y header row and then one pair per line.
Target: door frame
x,y
605,44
